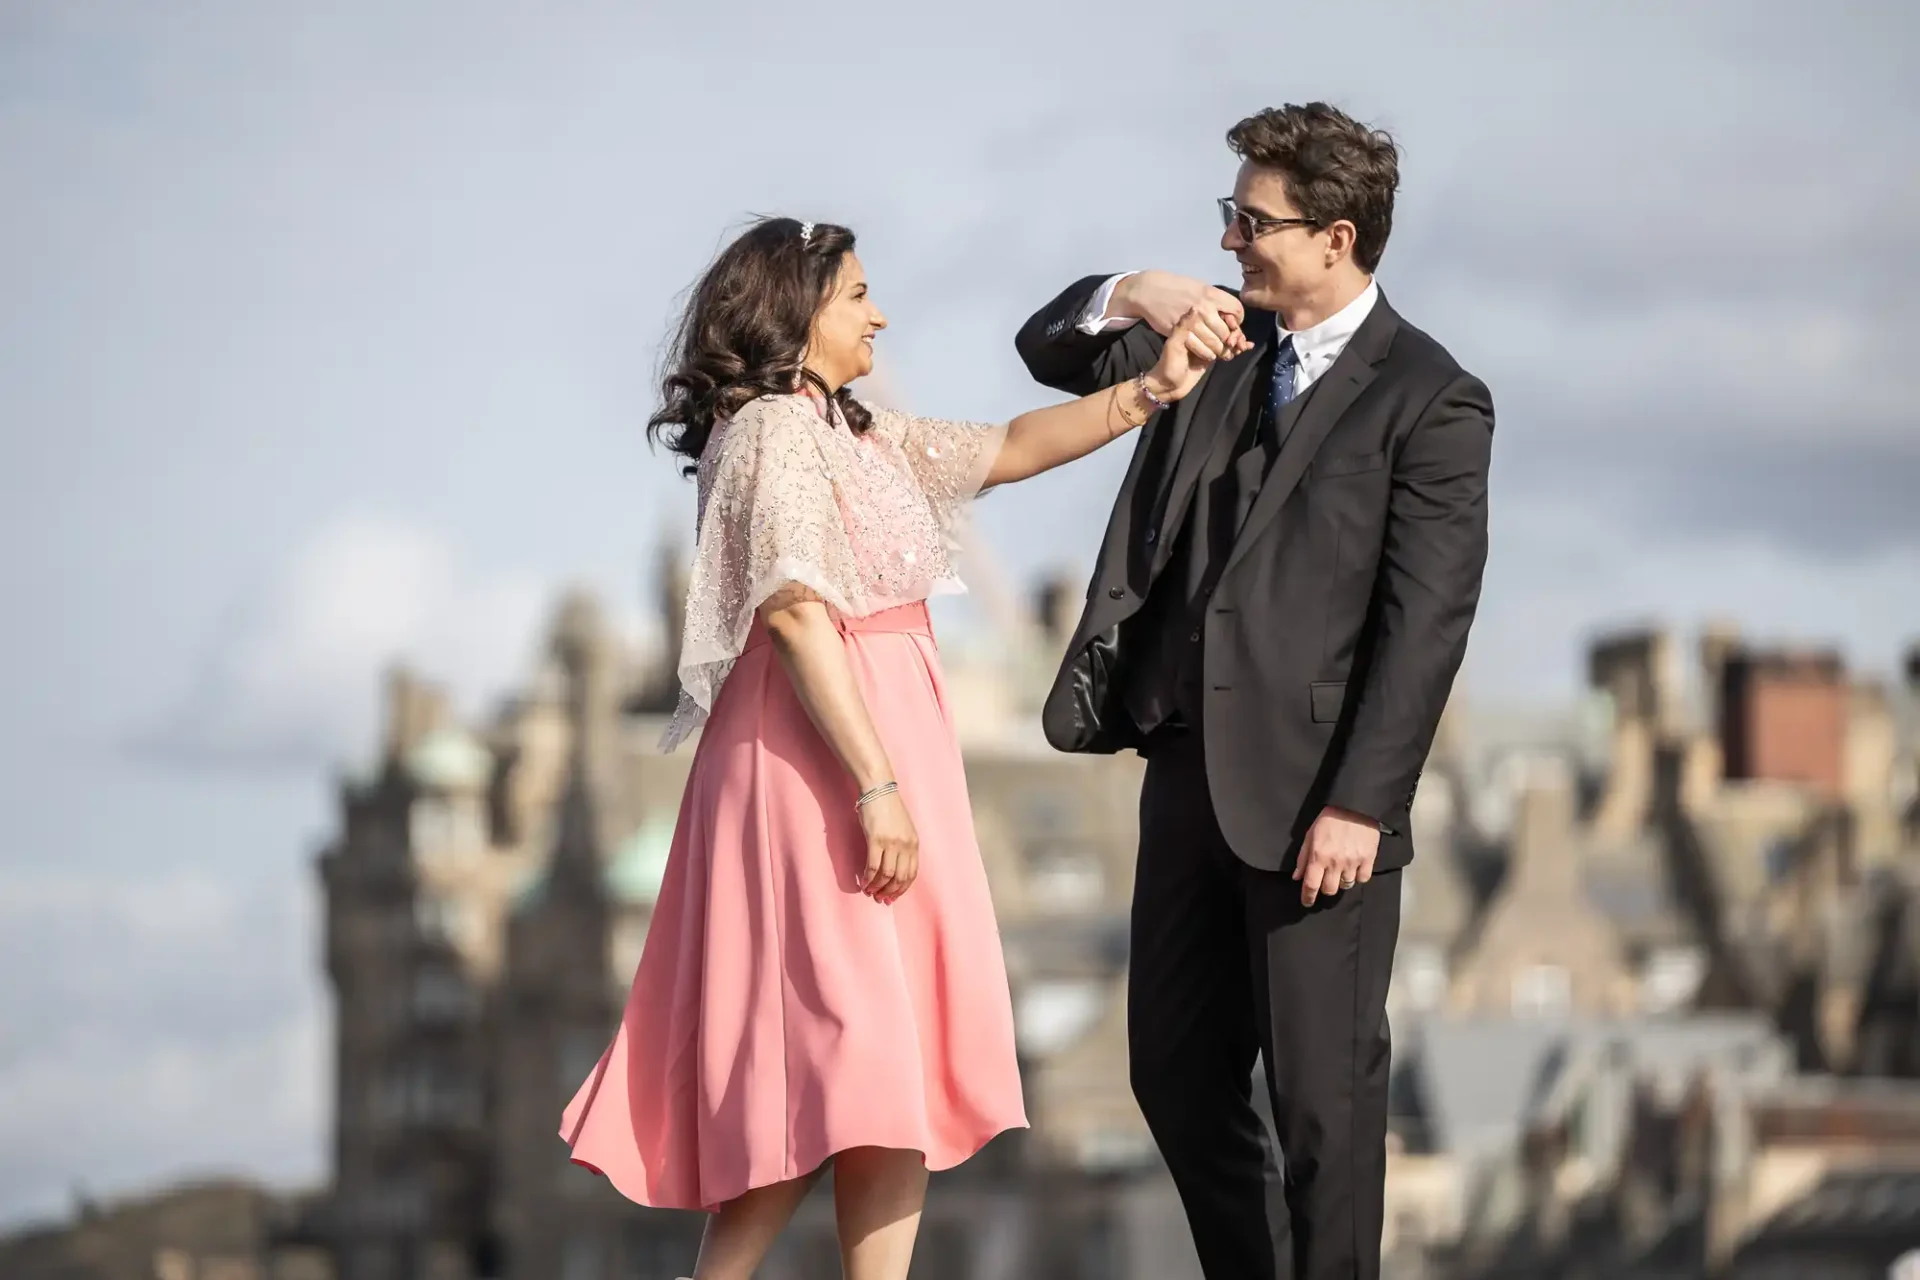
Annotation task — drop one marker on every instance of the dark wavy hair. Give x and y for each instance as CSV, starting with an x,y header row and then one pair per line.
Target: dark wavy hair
x,y
1335,168
745,329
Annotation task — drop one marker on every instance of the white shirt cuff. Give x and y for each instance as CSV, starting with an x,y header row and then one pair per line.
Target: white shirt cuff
x,y
1095,320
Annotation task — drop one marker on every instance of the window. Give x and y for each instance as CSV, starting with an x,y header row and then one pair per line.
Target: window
x,y
446,827
432,916
1542,991
441,994
443,918
451,1097
427,1093
390,1207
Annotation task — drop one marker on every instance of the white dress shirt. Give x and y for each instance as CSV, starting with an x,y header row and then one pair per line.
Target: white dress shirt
x,y
1315,348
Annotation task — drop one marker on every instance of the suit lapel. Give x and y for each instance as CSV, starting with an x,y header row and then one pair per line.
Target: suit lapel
x,y
1329,401
1220,410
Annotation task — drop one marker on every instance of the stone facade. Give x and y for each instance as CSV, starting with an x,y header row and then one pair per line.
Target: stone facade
x,y
487,898
492,887
213,1230
1620,932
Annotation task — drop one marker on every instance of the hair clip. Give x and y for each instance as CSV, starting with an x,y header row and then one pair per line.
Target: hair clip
x,y
806,233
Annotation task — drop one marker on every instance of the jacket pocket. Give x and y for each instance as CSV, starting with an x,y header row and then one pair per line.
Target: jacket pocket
x,y
1326,697
1348,464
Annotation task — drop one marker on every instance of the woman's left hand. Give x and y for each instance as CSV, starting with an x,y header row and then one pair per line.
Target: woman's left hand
x,y
1191,350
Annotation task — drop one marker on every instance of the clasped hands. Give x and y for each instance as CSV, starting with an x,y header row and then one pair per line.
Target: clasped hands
x,y
1164,300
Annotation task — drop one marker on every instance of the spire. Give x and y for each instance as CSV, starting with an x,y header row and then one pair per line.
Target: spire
x,y
584,648
658,690
588,655
576,841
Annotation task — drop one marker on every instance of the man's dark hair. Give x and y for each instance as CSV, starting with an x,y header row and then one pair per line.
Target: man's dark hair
x,y
1334,166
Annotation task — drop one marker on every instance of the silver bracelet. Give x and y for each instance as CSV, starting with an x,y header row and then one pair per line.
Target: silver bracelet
x,y
874,793
1150,398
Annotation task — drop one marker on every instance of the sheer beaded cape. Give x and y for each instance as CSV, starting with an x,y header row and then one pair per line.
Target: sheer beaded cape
x,y
791,498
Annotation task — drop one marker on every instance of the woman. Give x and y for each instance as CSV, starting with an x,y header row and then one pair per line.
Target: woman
x,y
822,980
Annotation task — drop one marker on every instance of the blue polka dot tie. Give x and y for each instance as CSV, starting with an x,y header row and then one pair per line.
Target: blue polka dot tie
x,y
1262,445
1286,362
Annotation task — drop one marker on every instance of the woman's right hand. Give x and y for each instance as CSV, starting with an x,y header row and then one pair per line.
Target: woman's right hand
x,y
893,848
1190,351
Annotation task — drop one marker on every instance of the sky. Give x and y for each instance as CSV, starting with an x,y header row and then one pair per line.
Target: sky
x,y
327,333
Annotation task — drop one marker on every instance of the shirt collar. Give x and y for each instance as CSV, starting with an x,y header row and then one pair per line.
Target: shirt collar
x,y
1327,339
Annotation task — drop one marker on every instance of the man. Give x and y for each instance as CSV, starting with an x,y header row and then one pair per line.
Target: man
x,y
1278,612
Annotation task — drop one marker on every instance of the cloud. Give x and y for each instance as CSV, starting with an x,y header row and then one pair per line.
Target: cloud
x,y
1693,301
172,1024
1662,478
1606,273
293,678
1559,574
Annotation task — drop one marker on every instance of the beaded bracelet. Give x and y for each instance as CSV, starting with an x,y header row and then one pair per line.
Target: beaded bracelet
x,y
1149,397
1153,402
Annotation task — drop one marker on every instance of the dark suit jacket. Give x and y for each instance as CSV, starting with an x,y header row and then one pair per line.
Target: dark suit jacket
x,y
1338,622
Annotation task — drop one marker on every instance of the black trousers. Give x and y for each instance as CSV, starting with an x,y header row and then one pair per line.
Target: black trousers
x,y
1225,964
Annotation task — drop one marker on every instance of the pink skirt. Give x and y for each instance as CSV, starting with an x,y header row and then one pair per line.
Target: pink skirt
x,y
778,1014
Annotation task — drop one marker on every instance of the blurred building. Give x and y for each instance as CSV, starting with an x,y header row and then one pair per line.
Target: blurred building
x,y
1688,914
1667,1149
1684,880
1656,1000
487,899
213,1230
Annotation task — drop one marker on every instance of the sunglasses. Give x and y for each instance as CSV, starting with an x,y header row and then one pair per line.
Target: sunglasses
x,y
1252,226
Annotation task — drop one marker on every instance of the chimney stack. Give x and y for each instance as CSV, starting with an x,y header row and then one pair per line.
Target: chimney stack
x,y
1783,718
1634,670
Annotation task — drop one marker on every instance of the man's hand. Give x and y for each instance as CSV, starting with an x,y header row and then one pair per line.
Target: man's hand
x,y
1338,854
1163,299
1190,351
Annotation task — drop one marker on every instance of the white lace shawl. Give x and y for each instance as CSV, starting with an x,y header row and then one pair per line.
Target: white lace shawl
x,y
788,497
